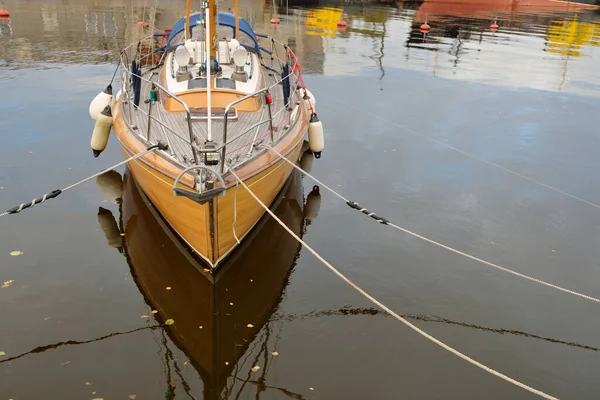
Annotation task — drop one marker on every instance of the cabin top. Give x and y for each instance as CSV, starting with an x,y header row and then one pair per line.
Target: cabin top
x,y
226,22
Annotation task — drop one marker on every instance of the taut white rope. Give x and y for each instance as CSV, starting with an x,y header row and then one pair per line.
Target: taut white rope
x,y
443,246
390,311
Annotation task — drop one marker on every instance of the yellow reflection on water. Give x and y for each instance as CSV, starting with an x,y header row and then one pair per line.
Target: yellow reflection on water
x,y
323,21
568,37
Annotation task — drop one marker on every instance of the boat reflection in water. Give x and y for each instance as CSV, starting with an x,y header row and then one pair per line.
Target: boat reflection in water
x,y
217,316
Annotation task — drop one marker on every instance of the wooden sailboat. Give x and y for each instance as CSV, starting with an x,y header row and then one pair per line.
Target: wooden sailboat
x,y
217,102
231,306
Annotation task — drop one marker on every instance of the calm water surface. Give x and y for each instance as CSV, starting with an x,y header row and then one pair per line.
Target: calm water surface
x,y
409,118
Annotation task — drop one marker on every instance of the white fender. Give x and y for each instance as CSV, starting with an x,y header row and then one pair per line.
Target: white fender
x,y
308,96
101,131
316,140
101,100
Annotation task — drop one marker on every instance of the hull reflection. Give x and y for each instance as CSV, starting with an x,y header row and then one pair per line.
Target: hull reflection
x,y
218,316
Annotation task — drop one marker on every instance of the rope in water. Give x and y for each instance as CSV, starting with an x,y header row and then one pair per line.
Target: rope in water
x,y
55,193
384,221
387,309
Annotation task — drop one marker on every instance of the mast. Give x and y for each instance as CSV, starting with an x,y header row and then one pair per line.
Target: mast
x,y
209,51
212,4
188,6
237,19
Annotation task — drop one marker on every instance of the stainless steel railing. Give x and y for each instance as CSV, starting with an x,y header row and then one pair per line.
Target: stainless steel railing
x,y
192,140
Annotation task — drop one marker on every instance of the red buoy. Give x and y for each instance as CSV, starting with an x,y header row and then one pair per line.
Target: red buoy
x,y
141,24
425,27
4,13
275,20
494,26
341,22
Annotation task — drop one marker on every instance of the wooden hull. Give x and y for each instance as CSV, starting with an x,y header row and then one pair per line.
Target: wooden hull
x,y
211,312
208,228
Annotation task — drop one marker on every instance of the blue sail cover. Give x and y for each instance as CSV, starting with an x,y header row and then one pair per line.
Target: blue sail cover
x,y
224,18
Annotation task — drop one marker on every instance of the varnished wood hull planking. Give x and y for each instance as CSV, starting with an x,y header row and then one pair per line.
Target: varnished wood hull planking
x,y
265,176
265,186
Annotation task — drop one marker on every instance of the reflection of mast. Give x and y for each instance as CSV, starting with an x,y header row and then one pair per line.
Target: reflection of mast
x,y
380,59
568,56
564,74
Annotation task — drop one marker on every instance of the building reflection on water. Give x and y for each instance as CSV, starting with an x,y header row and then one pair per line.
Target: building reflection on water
x,y
95,33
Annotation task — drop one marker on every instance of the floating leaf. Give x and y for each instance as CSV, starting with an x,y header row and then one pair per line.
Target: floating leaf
x,y
311,388
275,353
168,287
230,304
185,362
154,311
7,283
201,327
226,362
122,234
93,392
16,253
132,396
88,384
250,326
2,353
98,398
169,322
255,368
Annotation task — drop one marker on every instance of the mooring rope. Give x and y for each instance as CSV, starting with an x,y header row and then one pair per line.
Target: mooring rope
x,y
55,193
387,309
381,220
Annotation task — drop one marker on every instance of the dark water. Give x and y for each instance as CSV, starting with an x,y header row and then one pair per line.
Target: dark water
x,y
526,97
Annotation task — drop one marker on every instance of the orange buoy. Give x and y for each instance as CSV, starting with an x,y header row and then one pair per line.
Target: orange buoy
x,y
4,13
141,24
425,27
341,22
275,20
494,26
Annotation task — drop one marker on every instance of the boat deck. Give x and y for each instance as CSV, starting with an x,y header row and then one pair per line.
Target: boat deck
x,y
172,127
